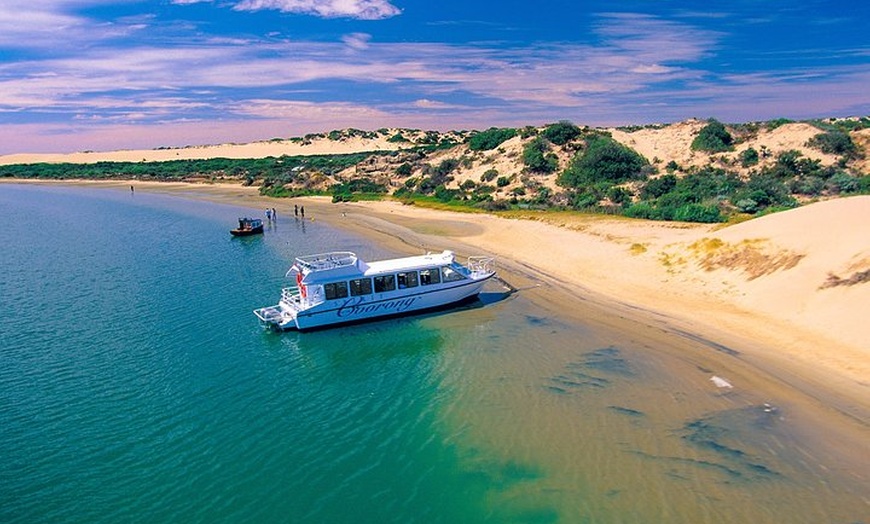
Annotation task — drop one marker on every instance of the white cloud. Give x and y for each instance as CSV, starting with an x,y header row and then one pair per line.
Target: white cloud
x,y
425,103
652,69
360,9
32,24
307,111
358,41
51,25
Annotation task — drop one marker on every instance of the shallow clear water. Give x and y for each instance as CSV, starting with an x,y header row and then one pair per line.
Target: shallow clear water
x,y
137,386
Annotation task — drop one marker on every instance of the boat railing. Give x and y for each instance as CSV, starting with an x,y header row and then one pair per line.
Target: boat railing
x,y
326,261
291,295
480,264
294,296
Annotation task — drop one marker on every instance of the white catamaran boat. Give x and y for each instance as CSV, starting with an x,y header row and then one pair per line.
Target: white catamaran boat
x,y
335,288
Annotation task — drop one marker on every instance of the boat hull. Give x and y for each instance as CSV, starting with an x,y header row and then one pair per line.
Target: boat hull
x,y
358,309
284,316
246,232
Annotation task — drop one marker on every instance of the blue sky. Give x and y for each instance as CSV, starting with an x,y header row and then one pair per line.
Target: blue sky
x,y
122,74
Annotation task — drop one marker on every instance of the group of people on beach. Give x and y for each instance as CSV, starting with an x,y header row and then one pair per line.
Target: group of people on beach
x,y
271,214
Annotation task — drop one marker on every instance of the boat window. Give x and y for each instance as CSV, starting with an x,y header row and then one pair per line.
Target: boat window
x,y
407,279
361,286
450,275
430,276
385,283
335,290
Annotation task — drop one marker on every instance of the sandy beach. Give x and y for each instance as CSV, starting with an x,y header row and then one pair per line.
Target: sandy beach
x,y
788,291
760,287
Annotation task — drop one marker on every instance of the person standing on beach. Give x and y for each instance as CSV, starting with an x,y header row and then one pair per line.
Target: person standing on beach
x,y
302,210
132,190
296,210
268,214
274,214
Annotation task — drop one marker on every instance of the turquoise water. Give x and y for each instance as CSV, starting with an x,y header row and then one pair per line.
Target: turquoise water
x,y
137,386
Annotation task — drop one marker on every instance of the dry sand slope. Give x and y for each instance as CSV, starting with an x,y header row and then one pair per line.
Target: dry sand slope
x,y
810,266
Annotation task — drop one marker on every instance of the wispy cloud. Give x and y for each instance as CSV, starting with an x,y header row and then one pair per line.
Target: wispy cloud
x,y
630,56
35,24
359,9
358,41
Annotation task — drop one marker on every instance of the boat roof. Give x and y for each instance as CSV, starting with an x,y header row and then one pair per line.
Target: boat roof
x,y
409,263
345,263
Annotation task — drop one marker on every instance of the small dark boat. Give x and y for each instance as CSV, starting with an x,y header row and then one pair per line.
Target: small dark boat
x,y
247,227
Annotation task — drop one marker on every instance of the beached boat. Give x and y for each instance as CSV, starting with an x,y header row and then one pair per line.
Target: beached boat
x,y
336,288
248,226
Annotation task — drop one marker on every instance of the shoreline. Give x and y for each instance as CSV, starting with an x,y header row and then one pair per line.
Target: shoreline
x,y
622,265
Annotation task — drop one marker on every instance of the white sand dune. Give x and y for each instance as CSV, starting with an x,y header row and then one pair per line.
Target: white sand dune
x,y
274,148
824,290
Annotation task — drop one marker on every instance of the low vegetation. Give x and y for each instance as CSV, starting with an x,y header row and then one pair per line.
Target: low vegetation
x,y
560,166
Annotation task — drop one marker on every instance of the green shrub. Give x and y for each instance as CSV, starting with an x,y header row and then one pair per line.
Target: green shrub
x,y
482,192
445,195
404,170
358,185
619,195
713,138
842,182
747,205
749,157
585,199
489,175
807,185
561,133
490,139
833,143
790,164
710,182
528,132
641,210
604,160
446,167
766,190
468,185
773,124
698,213
537,158
657,187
